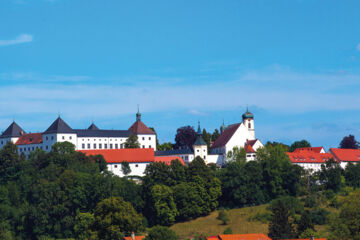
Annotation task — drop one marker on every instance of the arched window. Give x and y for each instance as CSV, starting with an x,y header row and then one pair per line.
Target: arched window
x,y
249,125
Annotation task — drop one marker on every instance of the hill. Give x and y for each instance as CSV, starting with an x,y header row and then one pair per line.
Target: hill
x,y
209,225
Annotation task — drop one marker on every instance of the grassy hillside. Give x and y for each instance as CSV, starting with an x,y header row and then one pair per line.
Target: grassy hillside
x,y
239,223
210,226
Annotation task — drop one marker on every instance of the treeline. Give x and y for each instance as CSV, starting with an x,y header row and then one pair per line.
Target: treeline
x,y
64,194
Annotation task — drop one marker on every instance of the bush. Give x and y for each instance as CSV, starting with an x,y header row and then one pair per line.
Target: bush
x,y
329,194
319,216
228,230
310,201
292,203
224,217
161,233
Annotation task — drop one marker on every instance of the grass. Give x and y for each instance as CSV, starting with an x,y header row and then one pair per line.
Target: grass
x,y
210,226
239,223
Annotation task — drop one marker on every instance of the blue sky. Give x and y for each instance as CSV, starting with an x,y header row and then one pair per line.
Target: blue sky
x,y
295,63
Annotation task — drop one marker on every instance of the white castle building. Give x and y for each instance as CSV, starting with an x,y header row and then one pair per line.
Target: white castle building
x,y
83,139
240,135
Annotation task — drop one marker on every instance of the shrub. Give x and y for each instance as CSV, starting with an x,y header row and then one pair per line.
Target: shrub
x,y
260,217
292,203
224,217
319,216
228,230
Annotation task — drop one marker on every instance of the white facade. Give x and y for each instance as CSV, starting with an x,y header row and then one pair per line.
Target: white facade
x,y
137,169
147,141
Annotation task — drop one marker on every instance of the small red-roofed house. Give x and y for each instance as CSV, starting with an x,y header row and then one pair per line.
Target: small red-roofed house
x,y
345,156
309,158
240,237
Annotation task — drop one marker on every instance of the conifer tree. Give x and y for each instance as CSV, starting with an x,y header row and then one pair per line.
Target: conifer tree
x,y
280,226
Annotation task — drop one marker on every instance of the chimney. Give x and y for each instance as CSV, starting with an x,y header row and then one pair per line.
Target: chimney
x,y
132,235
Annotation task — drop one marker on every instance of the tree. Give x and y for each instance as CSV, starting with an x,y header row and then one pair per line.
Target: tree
x,y
346,224
185,137
223,217
237,154
331,175
280,226
161,233
207,137
215,135
349,142
132,142
299,144
305,223
164,208
113,216
165,146
125,168
352,175
82,228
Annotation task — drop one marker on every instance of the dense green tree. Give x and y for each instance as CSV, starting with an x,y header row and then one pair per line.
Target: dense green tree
x,y
9,162
132,142
83,225
164,209
331,175
352,175
299,144
197,167
125,168
281,226
346,224
161,233
207,138
215,135
305,223
349,142
113,216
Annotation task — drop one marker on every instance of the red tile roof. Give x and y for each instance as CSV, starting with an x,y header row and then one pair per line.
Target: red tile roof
x,y
167,159
346,155
131,155
30,138
251,142
312,149
306,156
249,149
136,238
223,139
140,128
241,237
307,239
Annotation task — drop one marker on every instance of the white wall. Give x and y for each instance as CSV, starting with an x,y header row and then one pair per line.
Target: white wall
x,y
106,143
239,138
201,151
137,169
147,141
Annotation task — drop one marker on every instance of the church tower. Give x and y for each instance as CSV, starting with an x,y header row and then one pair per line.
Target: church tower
x,y
248,121
200,146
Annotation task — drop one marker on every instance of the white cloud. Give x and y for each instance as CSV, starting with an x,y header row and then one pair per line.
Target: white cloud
x,y
22,38
358,47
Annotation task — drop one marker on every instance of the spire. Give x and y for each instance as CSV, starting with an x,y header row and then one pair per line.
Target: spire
x,y
138,114
199,128
223,127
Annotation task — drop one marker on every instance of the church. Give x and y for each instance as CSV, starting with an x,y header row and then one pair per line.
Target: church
x,y
84,139
240,135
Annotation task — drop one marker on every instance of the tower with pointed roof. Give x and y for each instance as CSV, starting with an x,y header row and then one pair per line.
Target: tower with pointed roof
x,y
200,146
12,133
248,121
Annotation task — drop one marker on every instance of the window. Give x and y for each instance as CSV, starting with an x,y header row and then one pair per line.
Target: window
x,y
186,158
115,166
94,145
88,145
143,138
47,147
204,157
100,146
111,146
149,146
52,137
105,146
136,165
149,138
116,146
2,142
204,150
63,137
143,146
83,145
70,137
198,150
249,125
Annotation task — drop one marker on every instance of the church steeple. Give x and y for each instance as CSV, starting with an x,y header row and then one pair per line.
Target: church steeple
x,y
223,127
138,114
199,129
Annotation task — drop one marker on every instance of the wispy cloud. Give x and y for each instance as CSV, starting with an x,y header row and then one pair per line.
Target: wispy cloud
x,y
358,47
22,38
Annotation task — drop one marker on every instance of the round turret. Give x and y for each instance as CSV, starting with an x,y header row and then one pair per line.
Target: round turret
x,y
247,115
